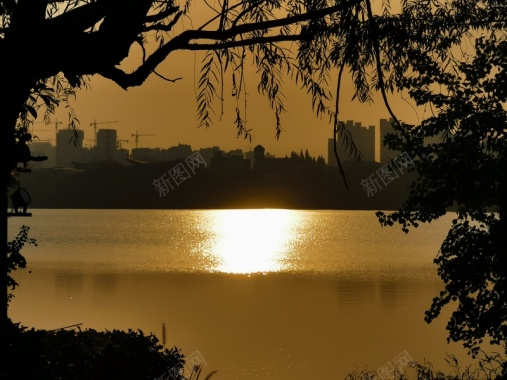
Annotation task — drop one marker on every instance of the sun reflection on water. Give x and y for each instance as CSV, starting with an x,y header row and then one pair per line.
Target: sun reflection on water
x,y
251,241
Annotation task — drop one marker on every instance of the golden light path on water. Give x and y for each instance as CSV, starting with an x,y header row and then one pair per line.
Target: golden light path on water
x,y
251,241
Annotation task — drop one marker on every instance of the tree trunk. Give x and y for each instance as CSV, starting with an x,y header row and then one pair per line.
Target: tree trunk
x,y
5,173
13,93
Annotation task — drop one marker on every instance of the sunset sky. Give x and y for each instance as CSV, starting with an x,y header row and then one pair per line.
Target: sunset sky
x,y
168,111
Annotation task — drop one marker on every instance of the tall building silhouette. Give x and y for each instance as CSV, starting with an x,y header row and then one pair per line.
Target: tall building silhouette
x,y
106,144
69,147
259,157
363,138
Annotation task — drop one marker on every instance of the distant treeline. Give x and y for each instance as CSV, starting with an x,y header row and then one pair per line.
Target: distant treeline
x,y
133,187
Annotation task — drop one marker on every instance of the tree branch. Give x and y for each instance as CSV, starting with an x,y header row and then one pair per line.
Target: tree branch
x,y
167,79
245,42
137,77
251,27
336,127
162,27
183,42
78,19
162,15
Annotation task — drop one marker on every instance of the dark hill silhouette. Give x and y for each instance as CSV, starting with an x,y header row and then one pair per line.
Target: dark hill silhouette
x,y
131,187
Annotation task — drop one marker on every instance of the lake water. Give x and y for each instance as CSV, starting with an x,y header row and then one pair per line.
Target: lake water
x,y
261,294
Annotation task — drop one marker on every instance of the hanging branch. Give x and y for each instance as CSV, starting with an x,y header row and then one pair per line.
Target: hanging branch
x,y
376,50
335,126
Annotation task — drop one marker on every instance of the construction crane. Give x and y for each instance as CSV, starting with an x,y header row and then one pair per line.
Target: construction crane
x,y
136,138
57,123
118,143
94,125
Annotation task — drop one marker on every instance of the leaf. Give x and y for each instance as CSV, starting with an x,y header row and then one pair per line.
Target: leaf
x,y
31,110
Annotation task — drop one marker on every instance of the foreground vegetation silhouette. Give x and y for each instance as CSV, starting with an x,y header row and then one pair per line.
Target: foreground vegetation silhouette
x,y
88,354
488,367
465,170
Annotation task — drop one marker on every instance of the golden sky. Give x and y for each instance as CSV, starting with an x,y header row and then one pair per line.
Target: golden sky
x,y
168,111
